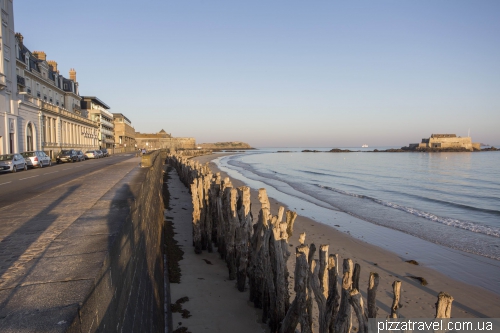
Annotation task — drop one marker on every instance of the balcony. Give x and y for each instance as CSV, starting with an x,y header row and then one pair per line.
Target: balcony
x,y
107,132
21,81
3,81
106,123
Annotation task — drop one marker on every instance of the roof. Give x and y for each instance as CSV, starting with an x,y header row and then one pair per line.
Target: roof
x,y
97,101
443,136
116,115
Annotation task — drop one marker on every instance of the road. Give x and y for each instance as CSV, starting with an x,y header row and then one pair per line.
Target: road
x,y
22,185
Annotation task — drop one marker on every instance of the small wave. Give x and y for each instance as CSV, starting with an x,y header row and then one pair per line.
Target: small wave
x,y
466,225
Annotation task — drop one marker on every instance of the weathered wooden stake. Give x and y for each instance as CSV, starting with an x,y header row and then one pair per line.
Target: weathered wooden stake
x,y
343,322
443,305
196,217
396,288
323,269
372,295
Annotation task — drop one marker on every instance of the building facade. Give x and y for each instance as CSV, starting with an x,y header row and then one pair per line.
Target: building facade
x,y
98,112
444,141
163,140
124,132
50,115
9,113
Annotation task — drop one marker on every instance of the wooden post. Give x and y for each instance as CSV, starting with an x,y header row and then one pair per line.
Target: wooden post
x,y
323,269
356,301
443,305
196,217
290,221
355,276
297,311
232,224
396,288
333,290
309,301
372,295
343,322
244,234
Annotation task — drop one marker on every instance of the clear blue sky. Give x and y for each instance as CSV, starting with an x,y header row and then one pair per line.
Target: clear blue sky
x,y
282,73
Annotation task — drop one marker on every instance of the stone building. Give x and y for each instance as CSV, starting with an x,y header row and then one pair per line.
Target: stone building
x,y
50,116
124,132
98,112
446,141
161,140
8,97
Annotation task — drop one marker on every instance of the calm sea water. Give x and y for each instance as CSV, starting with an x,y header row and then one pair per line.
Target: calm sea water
x,y
451,199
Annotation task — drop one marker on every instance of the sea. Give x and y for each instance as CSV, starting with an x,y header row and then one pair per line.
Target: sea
x,y
446,200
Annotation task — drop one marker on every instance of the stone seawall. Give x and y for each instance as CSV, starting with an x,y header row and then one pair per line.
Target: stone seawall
x,y
128,292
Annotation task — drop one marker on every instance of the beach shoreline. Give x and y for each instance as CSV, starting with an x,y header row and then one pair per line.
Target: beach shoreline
x,y
418,301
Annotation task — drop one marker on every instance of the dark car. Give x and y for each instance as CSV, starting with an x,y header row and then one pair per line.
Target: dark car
x,y
105,152
67,156
81,155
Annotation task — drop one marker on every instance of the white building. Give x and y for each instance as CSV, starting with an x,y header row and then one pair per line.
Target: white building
x,y
8,101
98,112
50,115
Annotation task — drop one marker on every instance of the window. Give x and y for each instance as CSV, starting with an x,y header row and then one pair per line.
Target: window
x,y
29,137
38,94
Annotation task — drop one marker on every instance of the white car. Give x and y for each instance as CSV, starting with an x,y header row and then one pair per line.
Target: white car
x,y
36,159
91,154
12,163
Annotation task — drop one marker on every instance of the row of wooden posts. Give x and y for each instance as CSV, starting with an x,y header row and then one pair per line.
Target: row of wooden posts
x,y
257,250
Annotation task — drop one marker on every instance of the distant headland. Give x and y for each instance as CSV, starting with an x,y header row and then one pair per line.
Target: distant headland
x,y
232,145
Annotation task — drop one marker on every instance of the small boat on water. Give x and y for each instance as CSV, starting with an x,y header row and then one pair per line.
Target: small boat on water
x,y
364,146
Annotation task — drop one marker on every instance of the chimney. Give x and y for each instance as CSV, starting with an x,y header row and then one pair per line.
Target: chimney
x,y
72,74
40,55
20,37
53,64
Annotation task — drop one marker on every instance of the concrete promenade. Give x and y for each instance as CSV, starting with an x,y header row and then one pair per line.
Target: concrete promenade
x,y
53,245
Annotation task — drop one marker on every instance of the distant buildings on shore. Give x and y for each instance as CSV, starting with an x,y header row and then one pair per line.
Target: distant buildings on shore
x,y
446,141
162,140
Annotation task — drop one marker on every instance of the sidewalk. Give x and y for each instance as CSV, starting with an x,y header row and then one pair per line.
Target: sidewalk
x,y
52,246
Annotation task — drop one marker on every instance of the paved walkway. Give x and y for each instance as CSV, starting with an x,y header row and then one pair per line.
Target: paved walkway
x,y
53,245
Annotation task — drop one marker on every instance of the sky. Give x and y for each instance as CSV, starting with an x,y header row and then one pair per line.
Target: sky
x,y
282,73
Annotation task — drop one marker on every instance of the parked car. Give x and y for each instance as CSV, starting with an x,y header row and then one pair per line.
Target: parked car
x,y
36,158
91,154
99,153
12,163
81,156
105,152
67,156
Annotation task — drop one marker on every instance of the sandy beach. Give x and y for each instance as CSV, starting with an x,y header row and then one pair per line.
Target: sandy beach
x,y
417,301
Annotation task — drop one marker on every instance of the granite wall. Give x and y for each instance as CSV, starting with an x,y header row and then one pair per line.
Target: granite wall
x,y
128,294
